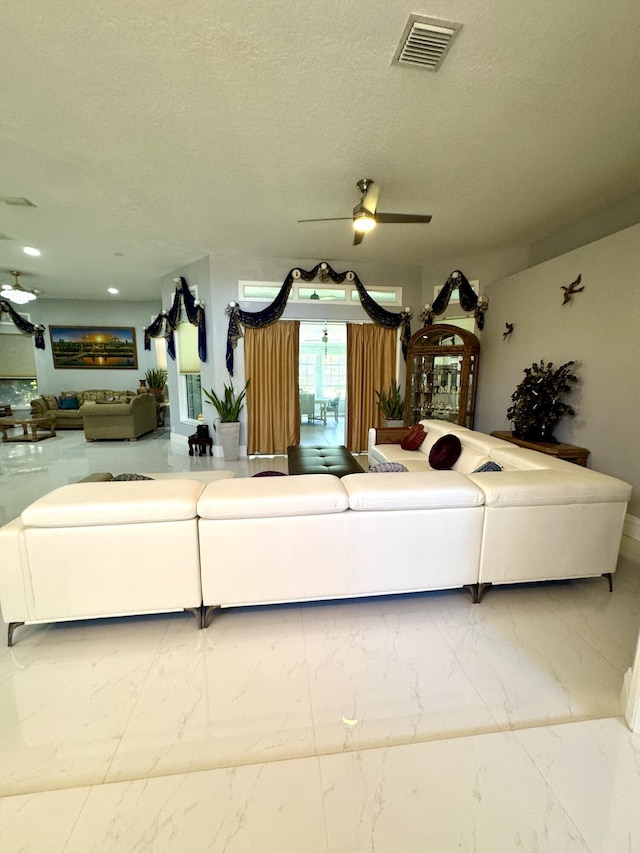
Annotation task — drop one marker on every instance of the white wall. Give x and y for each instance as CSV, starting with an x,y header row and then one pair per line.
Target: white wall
x,y
67,312
599,328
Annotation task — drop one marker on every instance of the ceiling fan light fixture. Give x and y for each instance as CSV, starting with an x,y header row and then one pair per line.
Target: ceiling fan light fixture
x,y
363,222
16,293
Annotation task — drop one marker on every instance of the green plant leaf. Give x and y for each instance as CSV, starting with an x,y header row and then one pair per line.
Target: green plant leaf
x,y
229,405
391,402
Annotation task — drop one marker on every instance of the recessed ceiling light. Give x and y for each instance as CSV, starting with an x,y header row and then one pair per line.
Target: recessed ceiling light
x,y
29,250
113,290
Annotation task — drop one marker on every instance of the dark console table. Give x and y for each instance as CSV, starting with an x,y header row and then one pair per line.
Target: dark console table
x,y
568,452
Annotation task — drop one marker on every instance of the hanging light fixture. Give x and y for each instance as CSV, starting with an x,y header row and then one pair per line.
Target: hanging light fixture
x,y
314,295
363,221
325,341
16,292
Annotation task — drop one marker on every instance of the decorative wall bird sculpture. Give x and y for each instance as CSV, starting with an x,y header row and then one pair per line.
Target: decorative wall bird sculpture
x,y
506,334
571,289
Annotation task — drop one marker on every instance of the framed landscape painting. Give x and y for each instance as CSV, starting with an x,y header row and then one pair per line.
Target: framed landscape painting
x,y
94,347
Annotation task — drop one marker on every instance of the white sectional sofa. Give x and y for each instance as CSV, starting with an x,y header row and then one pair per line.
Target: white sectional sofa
x,y
100,549
544,519
315,536
105,549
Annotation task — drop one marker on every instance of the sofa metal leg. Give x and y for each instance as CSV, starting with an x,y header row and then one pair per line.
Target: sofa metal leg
x,y
10,629
473,589
197,612
609,577
482,588
209,610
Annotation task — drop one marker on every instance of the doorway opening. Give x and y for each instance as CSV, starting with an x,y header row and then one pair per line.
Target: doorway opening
x,y
322,376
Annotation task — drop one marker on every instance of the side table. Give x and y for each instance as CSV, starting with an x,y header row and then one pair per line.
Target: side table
x,y
568,452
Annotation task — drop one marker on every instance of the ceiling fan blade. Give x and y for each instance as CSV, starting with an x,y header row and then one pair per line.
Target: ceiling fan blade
x,y
370,199
402,217
328,219
358,237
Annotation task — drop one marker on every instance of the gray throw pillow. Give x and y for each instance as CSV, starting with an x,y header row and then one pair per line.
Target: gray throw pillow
x,y
488,466
122,477
385,467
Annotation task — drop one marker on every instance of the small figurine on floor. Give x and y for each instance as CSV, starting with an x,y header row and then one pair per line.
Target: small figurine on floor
x,y
200,440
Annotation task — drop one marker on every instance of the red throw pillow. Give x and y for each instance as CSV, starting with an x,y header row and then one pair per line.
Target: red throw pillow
x,y
445,452
414,438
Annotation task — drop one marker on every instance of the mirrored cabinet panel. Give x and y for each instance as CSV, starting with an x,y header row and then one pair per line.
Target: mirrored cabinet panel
x,y
442,369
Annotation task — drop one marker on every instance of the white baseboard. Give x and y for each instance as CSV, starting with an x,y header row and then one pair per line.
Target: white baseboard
x,y
631,526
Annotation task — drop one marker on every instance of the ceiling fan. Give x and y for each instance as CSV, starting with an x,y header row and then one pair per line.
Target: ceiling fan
x,y
16,292
365,214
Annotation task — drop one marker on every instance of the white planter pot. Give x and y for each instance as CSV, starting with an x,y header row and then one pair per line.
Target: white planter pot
x,y
391,422
230,440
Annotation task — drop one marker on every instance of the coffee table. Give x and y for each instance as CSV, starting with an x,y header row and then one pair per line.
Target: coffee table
x,y
33,429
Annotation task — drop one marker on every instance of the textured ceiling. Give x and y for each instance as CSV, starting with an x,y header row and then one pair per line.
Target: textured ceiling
x,y
167,131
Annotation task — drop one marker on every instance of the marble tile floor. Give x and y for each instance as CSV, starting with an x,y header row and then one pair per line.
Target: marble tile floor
x,y
407,723
331,434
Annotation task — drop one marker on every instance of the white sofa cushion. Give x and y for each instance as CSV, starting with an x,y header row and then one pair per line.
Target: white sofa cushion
x,y
271,497
105,503
521,459
428,490
469,460
550,488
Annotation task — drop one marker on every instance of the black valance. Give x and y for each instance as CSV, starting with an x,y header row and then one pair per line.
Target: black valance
x,y
469,300
23,324
273,312
166,322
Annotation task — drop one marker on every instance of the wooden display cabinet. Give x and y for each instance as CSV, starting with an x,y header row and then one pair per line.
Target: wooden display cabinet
x,y
442,372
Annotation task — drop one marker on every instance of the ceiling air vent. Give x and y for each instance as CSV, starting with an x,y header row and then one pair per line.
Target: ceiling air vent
x,y
18,201
425,42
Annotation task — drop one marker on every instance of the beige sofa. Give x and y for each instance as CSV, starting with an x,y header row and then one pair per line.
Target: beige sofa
x,y
128,419
51,406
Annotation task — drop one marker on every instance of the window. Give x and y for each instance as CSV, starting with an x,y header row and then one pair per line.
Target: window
x,y
335,372
18,393
307,372
189,371
18,385
194,395
322,364
266,291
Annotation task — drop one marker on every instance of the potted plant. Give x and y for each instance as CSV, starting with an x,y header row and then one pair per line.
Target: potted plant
x,y
156,378
537,401
228,408
391,405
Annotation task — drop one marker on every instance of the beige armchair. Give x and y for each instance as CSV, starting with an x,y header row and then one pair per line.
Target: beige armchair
x,y
119,420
